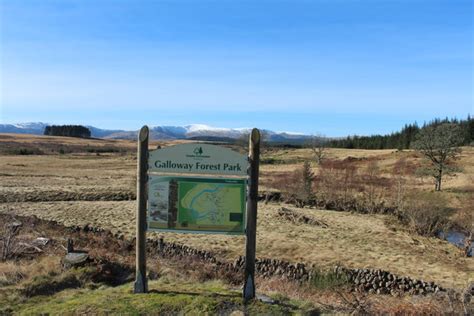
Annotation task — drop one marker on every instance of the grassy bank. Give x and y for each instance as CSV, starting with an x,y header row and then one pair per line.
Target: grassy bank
x,y
165,297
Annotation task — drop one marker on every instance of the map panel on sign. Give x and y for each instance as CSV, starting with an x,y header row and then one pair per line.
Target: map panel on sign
x,y
197,204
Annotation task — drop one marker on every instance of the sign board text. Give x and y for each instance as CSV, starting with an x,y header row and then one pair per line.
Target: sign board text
x,y
198,159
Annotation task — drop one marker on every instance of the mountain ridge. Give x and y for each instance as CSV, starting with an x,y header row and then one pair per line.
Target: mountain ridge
x,y
164,132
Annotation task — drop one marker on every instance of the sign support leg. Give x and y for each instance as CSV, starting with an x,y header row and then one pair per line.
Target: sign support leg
x,y
141,284
251,227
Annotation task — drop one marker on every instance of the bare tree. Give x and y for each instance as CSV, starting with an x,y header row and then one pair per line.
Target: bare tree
x,y
318,147
440,144
371,177
399,170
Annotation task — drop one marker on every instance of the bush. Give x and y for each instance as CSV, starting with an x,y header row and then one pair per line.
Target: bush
x,y
26,151
426,213
464,219
270,161
103,150
297,187
338,181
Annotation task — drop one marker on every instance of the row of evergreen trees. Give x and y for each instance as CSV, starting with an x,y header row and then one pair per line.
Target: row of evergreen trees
x,y
68,130
403,138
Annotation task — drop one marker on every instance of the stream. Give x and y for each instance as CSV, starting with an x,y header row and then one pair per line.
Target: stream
x,y
457,238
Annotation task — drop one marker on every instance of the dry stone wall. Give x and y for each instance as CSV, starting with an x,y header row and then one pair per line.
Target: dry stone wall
x,y
362,280
383,282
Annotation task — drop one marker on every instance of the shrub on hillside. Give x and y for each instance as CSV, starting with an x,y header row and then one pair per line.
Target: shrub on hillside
x,y
426,213
297,187
26,151
337,181
340,185
104,150
464,219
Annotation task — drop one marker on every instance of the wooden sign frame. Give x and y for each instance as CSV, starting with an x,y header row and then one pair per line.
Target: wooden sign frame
x,y
141,283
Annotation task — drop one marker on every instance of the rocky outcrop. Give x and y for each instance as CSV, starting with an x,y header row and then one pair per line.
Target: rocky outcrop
x,y
75,260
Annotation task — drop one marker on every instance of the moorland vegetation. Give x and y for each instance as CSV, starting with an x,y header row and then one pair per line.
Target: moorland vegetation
x,y
365,210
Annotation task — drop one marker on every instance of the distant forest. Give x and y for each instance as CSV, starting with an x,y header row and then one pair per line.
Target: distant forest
x,y
403,138
68,130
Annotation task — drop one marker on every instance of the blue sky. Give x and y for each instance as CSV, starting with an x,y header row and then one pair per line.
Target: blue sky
x,y
336,67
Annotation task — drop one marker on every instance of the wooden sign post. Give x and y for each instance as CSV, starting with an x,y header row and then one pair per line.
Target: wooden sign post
x,y
251,228
173,196
141,285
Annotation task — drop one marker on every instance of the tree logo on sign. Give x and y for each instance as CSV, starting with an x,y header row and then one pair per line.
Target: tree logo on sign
x,y
198,151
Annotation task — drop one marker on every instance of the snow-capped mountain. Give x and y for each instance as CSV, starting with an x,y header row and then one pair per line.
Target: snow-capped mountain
x,y
194,131
197,130
24,128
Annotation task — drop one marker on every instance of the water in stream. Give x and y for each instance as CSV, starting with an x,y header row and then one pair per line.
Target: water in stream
x,y
457,238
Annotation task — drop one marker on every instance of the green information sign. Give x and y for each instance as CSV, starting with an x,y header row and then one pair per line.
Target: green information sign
x,y
196,204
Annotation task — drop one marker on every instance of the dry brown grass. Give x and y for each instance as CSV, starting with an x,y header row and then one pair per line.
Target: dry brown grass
x,y
345,302
13,272
355,240
52,144
386,159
